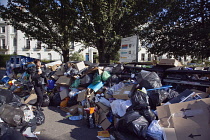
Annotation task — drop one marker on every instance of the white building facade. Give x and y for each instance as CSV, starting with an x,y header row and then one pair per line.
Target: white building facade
x,y
14,41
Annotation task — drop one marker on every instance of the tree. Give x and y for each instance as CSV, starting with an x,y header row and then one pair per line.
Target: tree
x,y
50,21
76,57
104,22
181,29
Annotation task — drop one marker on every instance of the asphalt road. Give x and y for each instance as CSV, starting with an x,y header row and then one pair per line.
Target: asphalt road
x,y
58,128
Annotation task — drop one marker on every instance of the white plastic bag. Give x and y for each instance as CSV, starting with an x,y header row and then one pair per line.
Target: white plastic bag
x,y
155,130
119,107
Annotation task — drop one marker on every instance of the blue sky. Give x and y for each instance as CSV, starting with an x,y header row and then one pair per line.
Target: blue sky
x,y
4,2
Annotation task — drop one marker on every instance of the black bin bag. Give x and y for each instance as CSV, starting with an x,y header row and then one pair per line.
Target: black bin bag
x,y
13,116
149,80
140,98
12,134
133,123
46,100
40,117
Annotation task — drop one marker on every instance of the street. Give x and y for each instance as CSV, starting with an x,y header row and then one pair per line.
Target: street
x,y
58,128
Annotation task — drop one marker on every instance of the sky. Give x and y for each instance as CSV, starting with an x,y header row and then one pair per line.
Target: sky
x,y
4,2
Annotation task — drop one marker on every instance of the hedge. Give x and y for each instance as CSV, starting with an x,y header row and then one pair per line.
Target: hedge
x,y
3,59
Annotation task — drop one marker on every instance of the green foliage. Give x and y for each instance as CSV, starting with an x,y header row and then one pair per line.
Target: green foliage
x,y
46,61
4,59
103,22
76,57
181,29
49,21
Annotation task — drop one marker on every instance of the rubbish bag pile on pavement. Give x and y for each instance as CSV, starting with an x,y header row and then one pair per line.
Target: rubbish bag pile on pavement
x,y
139,106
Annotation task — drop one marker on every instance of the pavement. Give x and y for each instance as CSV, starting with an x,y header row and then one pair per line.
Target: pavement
x,y
58,128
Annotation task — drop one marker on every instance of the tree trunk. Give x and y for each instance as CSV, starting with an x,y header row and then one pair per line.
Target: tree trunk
x,y
104,57
65,54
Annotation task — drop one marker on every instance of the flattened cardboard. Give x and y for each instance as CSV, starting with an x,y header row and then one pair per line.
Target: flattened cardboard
x,y
82,95
80,66
124,93
170,62
64,93
105,124
102,116
189,119
63,80
30,98
59,72
55,77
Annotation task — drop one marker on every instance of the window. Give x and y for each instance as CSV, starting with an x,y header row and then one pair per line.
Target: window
x,y
15,42
3,43
15,30
17,60
27,44
28,54
149,57
49,56
39,44
2,29
143,57
38,55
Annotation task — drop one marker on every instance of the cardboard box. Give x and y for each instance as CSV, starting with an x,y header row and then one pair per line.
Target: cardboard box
x,y
64,93
80,66
190,120
124,92
170,62
82,95
103,107
64,80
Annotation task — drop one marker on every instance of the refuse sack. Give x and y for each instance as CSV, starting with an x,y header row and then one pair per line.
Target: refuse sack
x,y
3,127
117,68
64,102
72,101
12,134
140,98
105,76
86,80
46,100
133,123
149,80
172,94
124,136
119,107
6,94
40,117
148,114
156,97
75,84
96,78
11,115
51,84
155,130
56,100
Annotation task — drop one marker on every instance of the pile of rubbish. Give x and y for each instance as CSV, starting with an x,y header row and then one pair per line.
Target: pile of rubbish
x,y
134,107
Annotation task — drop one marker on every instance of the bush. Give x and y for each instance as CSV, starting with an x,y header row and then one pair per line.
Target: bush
x,y
4,59
76,57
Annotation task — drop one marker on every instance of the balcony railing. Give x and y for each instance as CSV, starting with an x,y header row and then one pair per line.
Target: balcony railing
x,y
49,48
